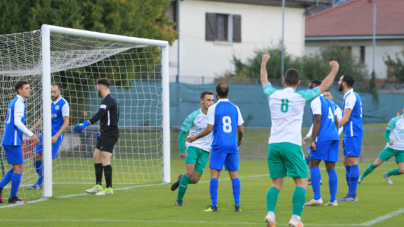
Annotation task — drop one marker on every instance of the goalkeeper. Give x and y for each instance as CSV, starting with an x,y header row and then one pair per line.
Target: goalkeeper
x,y
197,153
106,138
394,135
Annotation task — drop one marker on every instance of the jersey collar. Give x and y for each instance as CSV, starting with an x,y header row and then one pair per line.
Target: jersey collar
x,y
223,100
348,92
18,96
57,100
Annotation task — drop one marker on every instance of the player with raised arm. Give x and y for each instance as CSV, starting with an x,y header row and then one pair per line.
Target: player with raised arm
x,y
327,94
224,119
197,153
12,140
395,147
60,121
285,155
324,146
353,134
106,138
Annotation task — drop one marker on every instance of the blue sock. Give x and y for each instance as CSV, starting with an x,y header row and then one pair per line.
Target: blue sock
x,y
348,170
333,184
214,185
40,178
15,184
236,190
353,180
315,182
37,165
7,178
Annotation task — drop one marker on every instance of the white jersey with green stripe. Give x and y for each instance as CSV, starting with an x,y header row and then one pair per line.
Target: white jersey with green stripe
x,y
287,107
195,123
396,128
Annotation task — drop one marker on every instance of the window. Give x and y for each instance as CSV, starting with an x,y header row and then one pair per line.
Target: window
x,y
223,27
362,53
348,49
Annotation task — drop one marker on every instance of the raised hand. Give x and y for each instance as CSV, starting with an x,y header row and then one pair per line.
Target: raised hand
x,y
265,58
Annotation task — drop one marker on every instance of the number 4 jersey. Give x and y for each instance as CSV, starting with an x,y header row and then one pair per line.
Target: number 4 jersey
x,y
287,107
225,117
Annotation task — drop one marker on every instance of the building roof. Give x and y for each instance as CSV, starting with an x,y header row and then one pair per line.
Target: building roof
x,y
355,18
288,3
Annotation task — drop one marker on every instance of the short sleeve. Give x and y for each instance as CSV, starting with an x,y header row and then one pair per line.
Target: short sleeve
x,y
189,121
269,90
316,106
240,120
309,95
211,115
19,109
350,101
65,110
338,112
392,123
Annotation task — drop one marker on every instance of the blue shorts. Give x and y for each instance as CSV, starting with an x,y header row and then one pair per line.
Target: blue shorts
x,y
55,146
229,160
14,154
352,146
326,151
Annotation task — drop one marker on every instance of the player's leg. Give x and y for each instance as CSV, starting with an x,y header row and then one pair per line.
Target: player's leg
x,y
332,183
15,158
315,180
277,172
232,165
6,179
98,170
352,149
38,164
372,167
185,180
400,170
200,166
298,199
106,164
216,164
191,158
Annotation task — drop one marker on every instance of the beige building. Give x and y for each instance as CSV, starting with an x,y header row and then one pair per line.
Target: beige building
x,y
211,32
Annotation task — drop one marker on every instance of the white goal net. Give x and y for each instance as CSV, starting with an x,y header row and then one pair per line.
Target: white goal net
x,y
135,70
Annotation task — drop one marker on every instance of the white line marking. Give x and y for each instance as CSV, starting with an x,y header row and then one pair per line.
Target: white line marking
x,y
384,217
13,205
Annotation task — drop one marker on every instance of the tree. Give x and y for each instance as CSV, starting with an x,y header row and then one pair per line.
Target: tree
x,y
396,67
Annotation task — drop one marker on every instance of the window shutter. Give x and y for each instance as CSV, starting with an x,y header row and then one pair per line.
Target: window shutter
x,y
237,28
210,26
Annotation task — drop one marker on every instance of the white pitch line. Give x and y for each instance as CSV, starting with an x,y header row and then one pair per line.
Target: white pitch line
x,y
19,204
384,217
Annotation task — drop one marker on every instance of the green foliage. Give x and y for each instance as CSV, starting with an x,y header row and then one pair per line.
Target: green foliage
x,y
310,67
396,68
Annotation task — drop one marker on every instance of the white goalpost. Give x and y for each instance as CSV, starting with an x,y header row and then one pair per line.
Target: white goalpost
x,y
75,59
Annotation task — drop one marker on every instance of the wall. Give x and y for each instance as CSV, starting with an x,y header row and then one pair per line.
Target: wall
x,y
383,48
261,27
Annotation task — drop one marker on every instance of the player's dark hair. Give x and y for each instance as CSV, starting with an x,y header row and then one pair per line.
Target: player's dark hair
x,y
222,90
58,85
349,80
104,81
316,82
292,77
20,84
328,91
205,93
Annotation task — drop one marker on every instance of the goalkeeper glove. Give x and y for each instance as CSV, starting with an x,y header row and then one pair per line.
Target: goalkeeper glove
x,y
97,136
80,127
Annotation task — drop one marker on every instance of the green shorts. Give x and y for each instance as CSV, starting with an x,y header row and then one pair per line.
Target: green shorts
x,y
197,157
286,159
387,153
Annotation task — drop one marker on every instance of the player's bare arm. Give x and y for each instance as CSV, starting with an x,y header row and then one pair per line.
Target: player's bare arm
x,y
336,121
326,83
61,130
204,133
264,74
240,134
316,130
345,118
36,125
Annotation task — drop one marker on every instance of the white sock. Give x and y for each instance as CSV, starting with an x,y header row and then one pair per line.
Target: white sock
x,y
298,217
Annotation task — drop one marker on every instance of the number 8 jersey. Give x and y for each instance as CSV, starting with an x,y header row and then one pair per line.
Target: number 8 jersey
x,y
225,117
287,107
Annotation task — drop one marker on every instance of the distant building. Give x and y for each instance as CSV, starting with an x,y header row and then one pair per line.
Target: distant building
x,y
351,25
211,31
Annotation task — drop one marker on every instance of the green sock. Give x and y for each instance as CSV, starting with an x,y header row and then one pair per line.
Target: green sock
x,y
183,187
272,199
299,197
370,168
393,172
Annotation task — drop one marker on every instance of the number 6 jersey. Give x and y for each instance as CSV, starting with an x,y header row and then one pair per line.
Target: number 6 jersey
x,y
287,107
225,117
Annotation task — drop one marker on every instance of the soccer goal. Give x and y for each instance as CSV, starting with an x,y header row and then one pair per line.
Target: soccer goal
x,y
75,59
